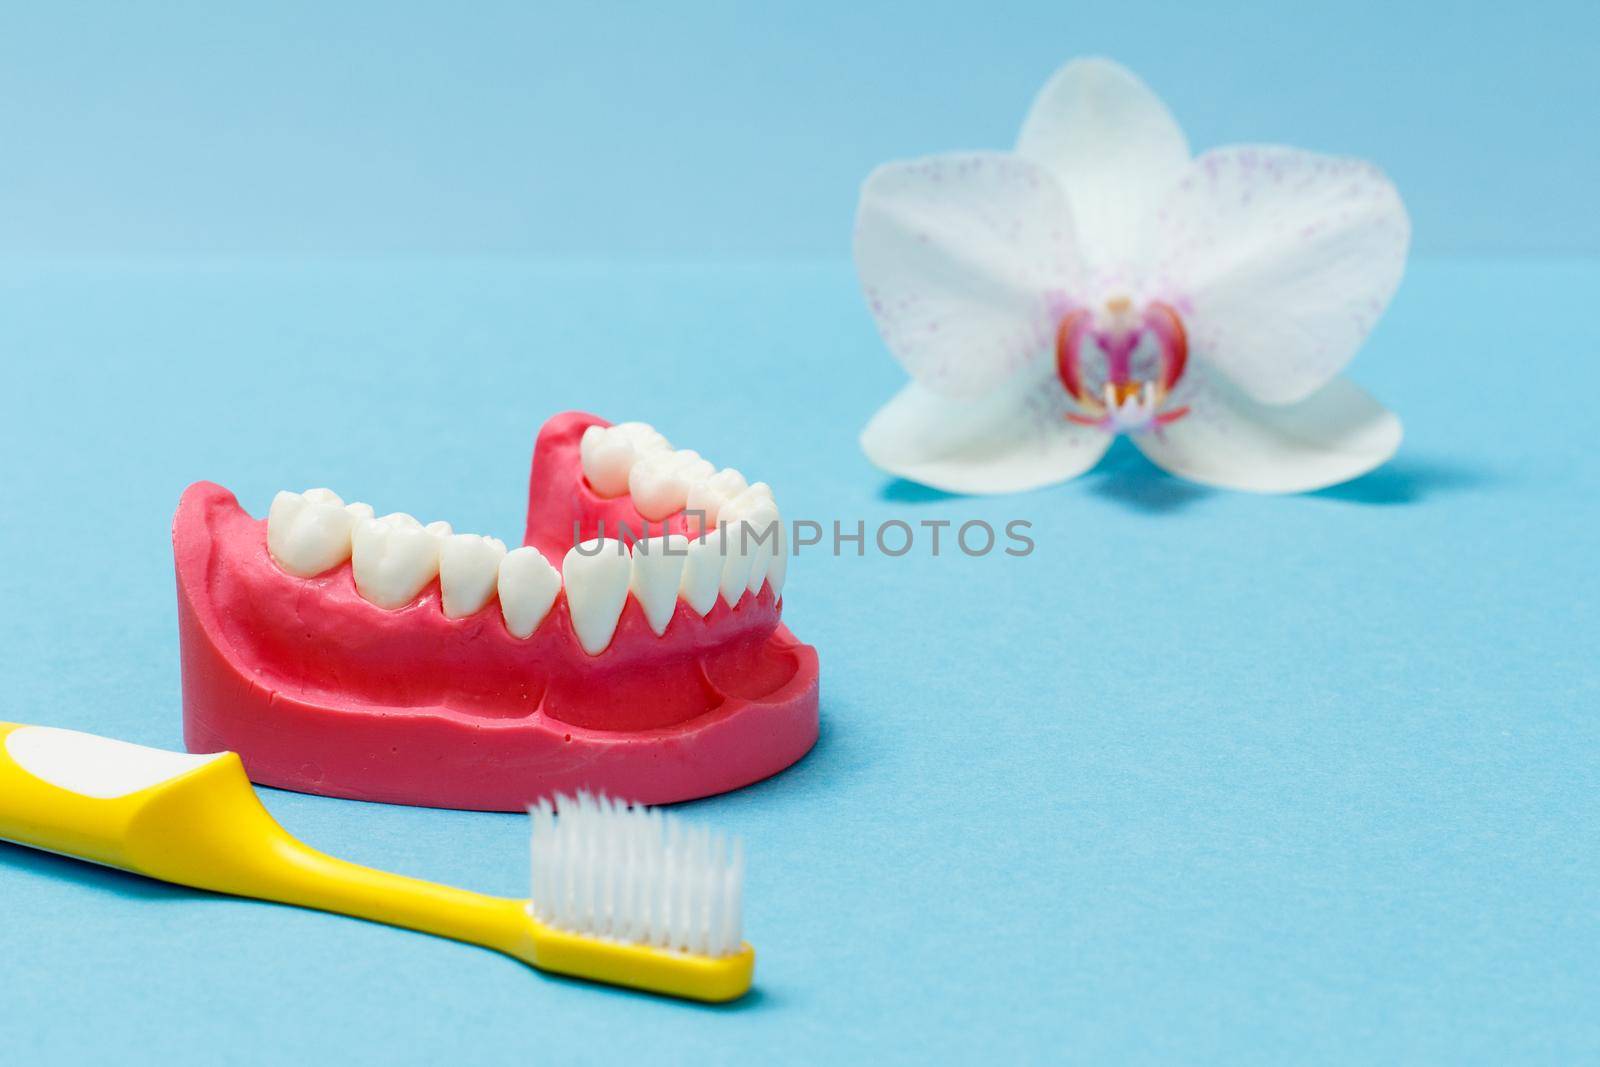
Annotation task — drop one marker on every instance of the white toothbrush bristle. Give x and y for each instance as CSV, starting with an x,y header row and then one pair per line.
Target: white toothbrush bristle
x,y
633,874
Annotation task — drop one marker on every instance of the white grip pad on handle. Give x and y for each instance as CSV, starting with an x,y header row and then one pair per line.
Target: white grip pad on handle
x,y
95,766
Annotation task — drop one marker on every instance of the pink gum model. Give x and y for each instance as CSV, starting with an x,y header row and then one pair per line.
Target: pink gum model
x,y
321,691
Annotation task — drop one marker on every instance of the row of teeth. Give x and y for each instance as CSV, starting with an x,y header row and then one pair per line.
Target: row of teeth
x,y
633,458
394,557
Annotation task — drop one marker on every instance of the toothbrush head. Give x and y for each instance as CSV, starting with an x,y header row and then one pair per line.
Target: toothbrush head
x,y
633,896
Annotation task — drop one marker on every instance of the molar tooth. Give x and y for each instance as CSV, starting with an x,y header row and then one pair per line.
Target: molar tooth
x,y
657,572
702,572
309,533
659,483
596,575
528,585
645,438
608,453
469,568
394,557
607,458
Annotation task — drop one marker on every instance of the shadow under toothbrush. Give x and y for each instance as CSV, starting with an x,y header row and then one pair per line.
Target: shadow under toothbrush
x,y
755,1000
124,884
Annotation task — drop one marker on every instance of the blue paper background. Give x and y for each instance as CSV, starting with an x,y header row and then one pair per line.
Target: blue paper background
x,y
730,129
1208,778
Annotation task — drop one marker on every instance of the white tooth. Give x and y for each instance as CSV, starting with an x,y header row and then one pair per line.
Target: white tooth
x,y
755,508
755,491
359,511
659,483
702,572
657,572
528,585
730,481
701,504
645,438
778,569
608,453
745,502
469,567
324,496
693,467
393,558
757,534
607,457
596,575
308,533
736,563
712,494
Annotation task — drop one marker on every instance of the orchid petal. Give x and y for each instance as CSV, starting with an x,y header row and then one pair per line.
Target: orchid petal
x,y
1286,259
1231,441
1115,148
959,257
1015,439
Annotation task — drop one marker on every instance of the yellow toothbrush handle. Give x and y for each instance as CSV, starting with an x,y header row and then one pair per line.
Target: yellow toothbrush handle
x,y
196,821
205,827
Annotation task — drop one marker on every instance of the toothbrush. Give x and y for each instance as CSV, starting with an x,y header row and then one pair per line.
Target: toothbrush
x,y
621,895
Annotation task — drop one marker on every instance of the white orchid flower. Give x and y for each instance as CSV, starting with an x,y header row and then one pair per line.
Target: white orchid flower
x,y
1099,281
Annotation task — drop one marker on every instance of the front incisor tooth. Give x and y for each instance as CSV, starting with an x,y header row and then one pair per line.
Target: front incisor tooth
x,y
596,575
702,572
469,568
309,533
657,572
737,559
759,532
778,569
528,585
753,527
394,558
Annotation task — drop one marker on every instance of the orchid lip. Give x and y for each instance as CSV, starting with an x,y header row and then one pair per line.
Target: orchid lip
x,y
1121,402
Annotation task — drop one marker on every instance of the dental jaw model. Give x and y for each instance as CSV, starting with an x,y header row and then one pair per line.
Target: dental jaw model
x,y
631,646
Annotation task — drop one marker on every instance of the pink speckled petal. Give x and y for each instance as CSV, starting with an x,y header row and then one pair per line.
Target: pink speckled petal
x,y
1286,258
1336,434
1015,439
958,257
1117,151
